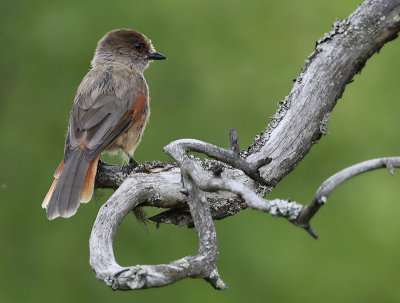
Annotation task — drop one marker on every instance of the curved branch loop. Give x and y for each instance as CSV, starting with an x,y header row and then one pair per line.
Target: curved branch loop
x,y
110,217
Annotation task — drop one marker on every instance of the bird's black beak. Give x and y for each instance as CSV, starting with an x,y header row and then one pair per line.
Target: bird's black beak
x,y
155,56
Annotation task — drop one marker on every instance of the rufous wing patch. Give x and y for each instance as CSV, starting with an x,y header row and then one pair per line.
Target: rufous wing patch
x,y
136,110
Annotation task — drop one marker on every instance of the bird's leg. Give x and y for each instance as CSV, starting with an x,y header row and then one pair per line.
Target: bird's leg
x,y
102,163
133,162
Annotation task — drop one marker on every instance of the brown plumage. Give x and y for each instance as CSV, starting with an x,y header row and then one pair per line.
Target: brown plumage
x,y
110,112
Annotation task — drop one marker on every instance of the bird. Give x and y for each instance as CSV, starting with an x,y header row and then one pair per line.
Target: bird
x,y
110,112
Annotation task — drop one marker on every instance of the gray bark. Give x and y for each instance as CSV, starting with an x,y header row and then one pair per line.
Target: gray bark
x,y
196,192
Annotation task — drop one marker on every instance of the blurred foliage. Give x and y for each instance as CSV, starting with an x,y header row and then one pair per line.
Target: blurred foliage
x,y
229,63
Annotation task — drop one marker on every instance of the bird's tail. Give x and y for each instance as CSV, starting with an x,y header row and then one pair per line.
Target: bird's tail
x,y
73,184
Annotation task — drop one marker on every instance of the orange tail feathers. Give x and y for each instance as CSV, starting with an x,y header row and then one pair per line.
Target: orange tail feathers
x,y
50,192
88,185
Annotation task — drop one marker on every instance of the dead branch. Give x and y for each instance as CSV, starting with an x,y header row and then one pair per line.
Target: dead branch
x,y
214,190
334,181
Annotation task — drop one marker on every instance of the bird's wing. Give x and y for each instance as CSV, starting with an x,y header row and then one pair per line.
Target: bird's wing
x,y
96,122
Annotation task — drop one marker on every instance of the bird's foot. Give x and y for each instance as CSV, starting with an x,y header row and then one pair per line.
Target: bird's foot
x,y
144,168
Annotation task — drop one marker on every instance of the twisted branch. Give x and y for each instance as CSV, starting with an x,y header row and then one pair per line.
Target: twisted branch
x,y
245,177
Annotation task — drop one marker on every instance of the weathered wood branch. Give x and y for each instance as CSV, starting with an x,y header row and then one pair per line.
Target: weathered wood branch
x,y
111,214
342,53
299,122
334,181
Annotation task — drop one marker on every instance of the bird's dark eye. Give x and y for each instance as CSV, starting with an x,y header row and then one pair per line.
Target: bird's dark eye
x,y
138,45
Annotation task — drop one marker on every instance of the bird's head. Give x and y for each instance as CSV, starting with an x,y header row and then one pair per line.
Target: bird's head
x,y
128,47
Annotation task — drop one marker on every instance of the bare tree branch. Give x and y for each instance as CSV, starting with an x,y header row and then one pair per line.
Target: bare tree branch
x,y
245,177
210,183
114,211
334,181
301,118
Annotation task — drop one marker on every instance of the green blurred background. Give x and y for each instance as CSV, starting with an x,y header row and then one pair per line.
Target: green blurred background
x,y
229,63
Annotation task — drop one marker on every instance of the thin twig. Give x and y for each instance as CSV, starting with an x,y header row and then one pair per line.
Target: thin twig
x,y
334,181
